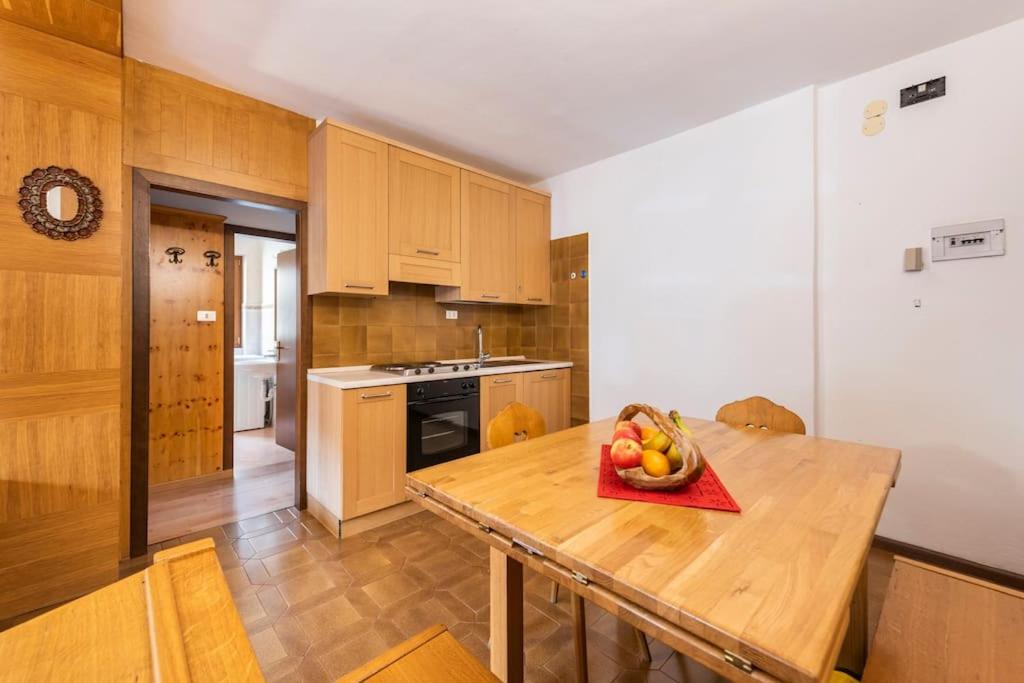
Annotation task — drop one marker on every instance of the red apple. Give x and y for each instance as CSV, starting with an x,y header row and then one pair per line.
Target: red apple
x,y
627,453
625,434
628,424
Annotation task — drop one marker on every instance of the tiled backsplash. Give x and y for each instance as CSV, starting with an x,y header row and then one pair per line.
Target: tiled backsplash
x,y
409,325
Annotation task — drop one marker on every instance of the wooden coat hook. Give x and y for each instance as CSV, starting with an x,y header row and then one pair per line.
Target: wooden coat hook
x,y
175,254
211,257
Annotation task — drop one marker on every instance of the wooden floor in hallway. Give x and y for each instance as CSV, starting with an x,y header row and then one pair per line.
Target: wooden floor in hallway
x,y
263,481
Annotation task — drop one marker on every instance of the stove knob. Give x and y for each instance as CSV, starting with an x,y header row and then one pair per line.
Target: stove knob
x,y
420,391
417,371
430,370
465,367
455,368
465,385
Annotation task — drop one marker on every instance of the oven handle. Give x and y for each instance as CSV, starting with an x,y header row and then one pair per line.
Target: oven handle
x,y
443,400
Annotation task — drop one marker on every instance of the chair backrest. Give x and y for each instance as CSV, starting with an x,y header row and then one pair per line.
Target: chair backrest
x,y
760,413
515,422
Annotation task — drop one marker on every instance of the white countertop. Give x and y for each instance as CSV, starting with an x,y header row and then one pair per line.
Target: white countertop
x,y
359,376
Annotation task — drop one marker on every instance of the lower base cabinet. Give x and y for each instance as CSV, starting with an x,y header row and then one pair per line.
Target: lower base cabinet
x,y
547,392
496,392
355,461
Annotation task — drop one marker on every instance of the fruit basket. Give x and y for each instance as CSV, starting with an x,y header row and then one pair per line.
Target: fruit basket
x,y
663,457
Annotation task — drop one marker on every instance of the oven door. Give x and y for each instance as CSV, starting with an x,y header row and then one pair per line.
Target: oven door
x,y
440,430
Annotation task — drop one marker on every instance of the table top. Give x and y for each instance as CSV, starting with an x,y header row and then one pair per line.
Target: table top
x,y
773,583
940,626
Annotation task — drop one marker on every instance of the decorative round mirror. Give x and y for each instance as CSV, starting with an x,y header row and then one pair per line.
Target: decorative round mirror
x,y
60,203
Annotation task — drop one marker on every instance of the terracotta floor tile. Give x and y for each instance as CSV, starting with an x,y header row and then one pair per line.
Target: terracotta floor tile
x,y
267,647
305,587
353,653
329,619
259,523
268,543
289,559
391,588
292,636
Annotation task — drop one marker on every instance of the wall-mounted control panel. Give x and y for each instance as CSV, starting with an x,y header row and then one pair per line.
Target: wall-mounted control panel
x,y
969,240
922,92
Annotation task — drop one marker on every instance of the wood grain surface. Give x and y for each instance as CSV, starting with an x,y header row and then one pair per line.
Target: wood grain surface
x,y
178,125
175,621
772,584
432,654
186,359
937,625
60,331
93,23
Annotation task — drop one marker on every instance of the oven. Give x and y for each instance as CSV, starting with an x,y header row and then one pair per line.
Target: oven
x,y
442,421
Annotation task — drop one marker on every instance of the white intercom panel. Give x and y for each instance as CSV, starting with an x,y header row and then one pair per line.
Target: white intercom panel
x,y
969,240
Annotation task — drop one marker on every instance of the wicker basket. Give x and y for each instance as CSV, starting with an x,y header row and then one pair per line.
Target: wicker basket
x,y
693,459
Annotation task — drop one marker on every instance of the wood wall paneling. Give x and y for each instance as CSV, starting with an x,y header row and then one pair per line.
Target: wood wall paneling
x,y
178,125
60,327
93,23
186,359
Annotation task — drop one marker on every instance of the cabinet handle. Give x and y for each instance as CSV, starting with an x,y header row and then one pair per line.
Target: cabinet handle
x,y
502,381
431,252
490,296
549,376
358,285
534,298
366,396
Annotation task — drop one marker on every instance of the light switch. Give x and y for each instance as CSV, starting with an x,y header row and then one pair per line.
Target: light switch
x,y
206,316
451,315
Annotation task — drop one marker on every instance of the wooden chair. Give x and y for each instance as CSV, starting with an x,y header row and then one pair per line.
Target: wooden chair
x,y
758,412
517,422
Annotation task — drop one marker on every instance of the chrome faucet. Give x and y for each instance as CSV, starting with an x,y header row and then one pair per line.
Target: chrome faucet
x,y
481,356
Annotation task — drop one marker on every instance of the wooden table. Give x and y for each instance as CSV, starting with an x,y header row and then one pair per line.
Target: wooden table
x,y
763,595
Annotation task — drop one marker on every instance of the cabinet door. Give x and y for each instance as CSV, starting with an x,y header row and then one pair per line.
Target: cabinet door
x,y
548,393
373,449
348,213
424,206
533,247
488,240
496,392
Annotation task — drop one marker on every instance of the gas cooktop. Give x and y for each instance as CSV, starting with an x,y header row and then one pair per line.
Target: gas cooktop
x,y
424,368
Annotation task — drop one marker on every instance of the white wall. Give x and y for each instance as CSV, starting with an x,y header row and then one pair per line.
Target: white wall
x,y
718,255
702,251
259,261
945,383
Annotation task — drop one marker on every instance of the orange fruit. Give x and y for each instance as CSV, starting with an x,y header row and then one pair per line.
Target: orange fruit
x,y
655,463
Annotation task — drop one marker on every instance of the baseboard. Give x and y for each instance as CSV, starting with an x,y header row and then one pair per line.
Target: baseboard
x,y
372,520
1002,577
323,515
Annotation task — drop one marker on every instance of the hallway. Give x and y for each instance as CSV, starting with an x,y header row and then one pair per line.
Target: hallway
x,y
263,481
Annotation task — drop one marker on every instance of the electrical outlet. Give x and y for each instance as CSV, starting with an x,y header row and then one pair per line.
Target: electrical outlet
x,y
451,315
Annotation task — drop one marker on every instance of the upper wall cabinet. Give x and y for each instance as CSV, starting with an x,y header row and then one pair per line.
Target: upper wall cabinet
x,y
348,213
533,247
424,201
488,241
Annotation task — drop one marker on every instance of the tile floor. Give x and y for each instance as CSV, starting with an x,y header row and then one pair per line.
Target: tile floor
x,y
316,607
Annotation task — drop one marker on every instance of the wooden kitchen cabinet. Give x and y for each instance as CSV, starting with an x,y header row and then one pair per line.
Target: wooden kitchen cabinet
x,y
547,392
355,454
533,247
488,242
425,215
496,392
348,213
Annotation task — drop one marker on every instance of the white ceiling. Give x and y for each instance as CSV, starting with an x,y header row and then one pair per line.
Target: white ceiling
x,y
534,88
244,214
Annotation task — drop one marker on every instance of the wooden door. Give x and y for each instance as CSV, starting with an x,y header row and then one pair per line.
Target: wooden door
x,y
286,301
423,202
533,247
373,449
348,213
496,392
547,392
61,343
488,240
186,355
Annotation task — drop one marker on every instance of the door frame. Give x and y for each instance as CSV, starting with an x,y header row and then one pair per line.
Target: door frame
x,y
137,307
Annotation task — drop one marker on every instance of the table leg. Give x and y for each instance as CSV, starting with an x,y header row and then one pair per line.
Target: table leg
x,y
579,624
854,653
506,617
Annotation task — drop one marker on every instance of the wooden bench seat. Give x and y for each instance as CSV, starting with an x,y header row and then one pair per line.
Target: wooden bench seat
x,y
175,621
432,655
937,625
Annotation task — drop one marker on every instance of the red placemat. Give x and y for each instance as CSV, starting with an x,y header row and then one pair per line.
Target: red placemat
x,y
707,492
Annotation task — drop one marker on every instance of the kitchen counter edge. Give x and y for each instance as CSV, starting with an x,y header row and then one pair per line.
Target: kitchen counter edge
x,y
360,376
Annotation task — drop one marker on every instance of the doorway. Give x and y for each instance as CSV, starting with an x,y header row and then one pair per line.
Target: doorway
x,y
218,337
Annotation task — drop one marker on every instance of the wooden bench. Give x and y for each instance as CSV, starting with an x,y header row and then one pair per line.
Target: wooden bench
x,y
175,621
937,625
432,655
